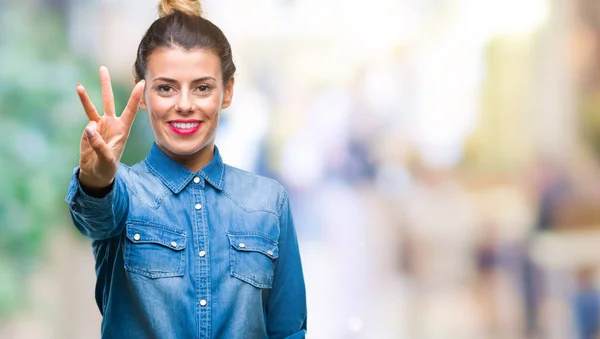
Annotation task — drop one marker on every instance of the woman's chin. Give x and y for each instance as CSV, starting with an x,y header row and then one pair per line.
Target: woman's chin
x,y
185,151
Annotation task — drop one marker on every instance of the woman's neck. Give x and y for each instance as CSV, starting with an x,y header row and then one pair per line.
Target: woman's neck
x,y
196,161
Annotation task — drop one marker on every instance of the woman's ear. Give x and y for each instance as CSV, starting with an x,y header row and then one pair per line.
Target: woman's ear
x,y
142,103
228,95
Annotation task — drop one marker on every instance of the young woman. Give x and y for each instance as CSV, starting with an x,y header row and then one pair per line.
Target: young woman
x,y
185,245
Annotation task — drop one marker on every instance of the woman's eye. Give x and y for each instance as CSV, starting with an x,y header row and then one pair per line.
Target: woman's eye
x,y
203,88
163,88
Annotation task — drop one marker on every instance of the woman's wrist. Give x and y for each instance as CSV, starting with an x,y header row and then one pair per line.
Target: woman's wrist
x,y
93,188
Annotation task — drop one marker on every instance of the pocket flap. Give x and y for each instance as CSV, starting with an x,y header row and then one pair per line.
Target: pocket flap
x,y
254,243
141,234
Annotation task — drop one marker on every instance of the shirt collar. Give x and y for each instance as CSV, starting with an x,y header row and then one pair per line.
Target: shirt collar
x,y
175,176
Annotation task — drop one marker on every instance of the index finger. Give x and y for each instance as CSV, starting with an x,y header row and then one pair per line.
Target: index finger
x,y
88,106
133,103
108,99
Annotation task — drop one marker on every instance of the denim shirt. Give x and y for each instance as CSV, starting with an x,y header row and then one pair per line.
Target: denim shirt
x,y
211,254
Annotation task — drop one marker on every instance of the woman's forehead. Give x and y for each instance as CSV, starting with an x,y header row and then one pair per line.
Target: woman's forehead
x,y
180,64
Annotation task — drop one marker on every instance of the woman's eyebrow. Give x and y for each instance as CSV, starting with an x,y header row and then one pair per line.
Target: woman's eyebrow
x,y
169,80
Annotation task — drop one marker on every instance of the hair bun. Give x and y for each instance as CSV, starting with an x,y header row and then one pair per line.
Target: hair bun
x,y
189,7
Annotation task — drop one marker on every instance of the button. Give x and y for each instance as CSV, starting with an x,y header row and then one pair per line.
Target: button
x,y
198,206
202,302
137,237
196,180
269,252
173,243
202,253
242,245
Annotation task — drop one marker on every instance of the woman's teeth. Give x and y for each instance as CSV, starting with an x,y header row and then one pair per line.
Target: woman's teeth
x,y
184,125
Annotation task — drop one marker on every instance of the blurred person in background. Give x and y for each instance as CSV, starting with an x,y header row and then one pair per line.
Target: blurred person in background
x,y
185,245
486,264
553,187
586,304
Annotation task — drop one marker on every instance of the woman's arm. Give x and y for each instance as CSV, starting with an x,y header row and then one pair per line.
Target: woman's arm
x,y
97,196
98,213
286,306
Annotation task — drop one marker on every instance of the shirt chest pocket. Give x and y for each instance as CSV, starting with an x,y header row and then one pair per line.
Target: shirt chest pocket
x,y
253,258
154,251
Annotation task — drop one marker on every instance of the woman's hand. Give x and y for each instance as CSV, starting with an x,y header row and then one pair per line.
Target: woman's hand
x,y
104,138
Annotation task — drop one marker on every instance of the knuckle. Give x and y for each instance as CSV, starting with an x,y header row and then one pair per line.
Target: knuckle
x,y
96,142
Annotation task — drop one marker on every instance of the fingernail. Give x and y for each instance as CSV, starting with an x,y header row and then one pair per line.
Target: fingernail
x,y
78,84
89,133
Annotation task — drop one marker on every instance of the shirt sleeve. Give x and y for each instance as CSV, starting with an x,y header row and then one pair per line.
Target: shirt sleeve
x,y
286,305
98,218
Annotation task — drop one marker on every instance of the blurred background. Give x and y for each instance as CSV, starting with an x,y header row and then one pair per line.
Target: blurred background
x,y
441,157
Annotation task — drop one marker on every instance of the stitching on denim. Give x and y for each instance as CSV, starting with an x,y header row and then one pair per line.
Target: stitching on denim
x,y
234,252
252,281
181,244
196,229
267,210
221,178
227,194
274,256
283,197
155,274
262,250
217,184
247,279
179,271
134,222
157,201
205,230
258,234
184,183
176,189
154,171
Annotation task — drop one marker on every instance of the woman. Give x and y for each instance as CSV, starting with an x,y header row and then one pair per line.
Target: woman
x,y
185,245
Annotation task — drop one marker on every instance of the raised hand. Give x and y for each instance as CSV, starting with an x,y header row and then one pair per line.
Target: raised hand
x,y
104,137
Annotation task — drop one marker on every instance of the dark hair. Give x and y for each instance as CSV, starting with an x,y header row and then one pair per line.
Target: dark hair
x,y
180,27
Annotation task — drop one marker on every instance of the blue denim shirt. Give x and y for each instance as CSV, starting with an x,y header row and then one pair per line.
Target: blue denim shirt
x,y
179,254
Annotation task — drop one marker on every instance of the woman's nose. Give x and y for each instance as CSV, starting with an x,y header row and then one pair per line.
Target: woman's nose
x,y
184,106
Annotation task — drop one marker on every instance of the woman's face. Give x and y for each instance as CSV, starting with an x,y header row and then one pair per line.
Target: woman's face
x,y
184,96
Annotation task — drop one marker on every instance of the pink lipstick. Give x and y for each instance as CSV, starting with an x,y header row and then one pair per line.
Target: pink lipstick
x,y
185,127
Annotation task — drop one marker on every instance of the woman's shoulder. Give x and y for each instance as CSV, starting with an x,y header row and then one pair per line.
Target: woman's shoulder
x,y
134,171
138,176
254,190
239,174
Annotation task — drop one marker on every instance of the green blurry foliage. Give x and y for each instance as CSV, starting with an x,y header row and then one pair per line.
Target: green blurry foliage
x,y
41,122
589,122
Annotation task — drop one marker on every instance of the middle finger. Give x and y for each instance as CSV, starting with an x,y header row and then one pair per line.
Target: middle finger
x,y
108,99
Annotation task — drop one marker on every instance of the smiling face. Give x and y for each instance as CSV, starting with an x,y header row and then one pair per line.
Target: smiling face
x,y
184,96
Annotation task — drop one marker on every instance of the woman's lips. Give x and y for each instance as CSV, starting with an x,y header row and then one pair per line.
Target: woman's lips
x,y
184,127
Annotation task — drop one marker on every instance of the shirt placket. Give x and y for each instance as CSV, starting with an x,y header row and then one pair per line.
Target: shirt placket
x,y
201,238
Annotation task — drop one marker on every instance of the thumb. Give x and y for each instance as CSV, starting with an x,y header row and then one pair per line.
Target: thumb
x,y
90,129
97,143
89,132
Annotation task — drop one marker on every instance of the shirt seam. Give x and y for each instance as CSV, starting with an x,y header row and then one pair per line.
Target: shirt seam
x,y
239,204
